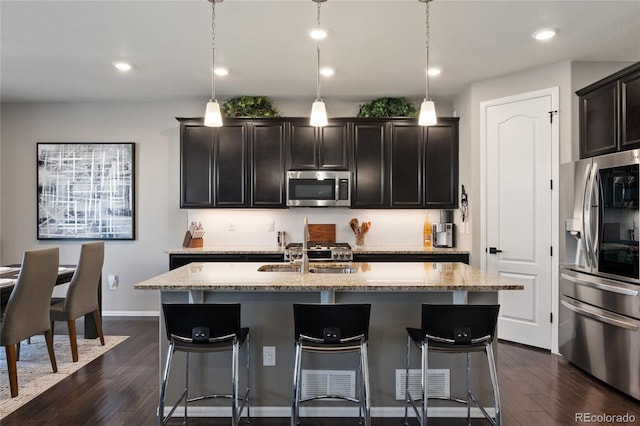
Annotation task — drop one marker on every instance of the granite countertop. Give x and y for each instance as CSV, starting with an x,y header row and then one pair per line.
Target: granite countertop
x,y
378,276
276,250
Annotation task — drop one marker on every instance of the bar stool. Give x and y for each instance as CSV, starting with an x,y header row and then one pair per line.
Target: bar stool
x,y
454,329
202,328
332,329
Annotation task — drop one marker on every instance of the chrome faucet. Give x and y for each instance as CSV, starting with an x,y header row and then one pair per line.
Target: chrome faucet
x,y
304,267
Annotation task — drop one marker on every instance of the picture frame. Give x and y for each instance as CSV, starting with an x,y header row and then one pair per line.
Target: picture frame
x,y
86,191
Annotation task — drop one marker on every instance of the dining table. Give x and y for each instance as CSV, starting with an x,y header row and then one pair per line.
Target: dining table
x,y
9,276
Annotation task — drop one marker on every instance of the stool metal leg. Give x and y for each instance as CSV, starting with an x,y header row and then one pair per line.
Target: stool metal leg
x,y
234,384
163,387
248,381
364,356
186,387
406,382
425,381
468,389
296,385
494,383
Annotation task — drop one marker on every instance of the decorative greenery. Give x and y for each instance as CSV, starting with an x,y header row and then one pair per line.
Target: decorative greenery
x,y
388,107
250,106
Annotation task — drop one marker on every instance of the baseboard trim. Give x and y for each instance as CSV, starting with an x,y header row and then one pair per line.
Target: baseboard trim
x,y
394,412
130,313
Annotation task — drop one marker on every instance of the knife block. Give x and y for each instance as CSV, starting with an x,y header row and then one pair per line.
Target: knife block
x,y
191,242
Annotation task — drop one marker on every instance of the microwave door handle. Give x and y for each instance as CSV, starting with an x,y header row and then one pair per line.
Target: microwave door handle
x,y
585,211
594,218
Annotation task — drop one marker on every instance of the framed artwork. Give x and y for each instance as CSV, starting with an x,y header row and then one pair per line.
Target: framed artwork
x,y
86,191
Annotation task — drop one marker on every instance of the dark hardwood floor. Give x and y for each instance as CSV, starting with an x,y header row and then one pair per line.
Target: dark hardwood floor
x,y
121,388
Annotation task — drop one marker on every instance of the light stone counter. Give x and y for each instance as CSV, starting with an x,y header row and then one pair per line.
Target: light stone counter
x,y
397,249
378,276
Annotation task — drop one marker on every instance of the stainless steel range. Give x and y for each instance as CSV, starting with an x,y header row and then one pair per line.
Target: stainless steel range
x,y
319,252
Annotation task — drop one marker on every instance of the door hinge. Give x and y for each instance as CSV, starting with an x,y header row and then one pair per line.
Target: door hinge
x,y
551,251
551,317
551,114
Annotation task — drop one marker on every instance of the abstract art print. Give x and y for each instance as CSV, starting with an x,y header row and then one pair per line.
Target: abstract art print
x,y
86,191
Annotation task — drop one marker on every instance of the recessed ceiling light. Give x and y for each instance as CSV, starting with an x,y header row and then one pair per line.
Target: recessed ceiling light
x,y
221,71
318,33
434,71
122,66
327,71
544,34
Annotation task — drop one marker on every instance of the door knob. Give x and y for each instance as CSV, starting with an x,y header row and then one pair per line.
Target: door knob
x,y
493,250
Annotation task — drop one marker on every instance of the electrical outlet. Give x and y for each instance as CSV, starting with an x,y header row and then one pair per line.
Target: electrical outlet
x,y
272,226
113,281
231,227
268,356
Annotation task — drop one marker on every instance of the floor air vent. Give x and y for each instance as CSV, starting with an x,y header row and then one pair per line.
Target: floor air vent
x,y
438,382
328,382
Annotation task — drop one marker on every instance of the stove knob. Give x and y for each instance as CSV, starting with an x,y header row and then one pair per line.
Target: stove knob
x,y
335,255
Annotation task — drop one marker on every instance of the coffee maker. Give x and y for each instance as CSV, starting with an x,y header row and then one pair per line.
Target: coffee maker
x,y
444,231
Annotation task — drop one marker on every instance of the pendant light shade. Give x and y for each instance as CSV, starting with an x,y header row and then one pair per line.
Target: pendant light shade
x,y
212,115
427,115
318,114
318,110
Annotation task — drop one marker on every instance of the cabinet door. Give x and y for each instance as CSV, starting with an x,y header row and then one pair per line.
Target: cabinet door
x,y
369,165
333,147
630,111
230,162
598,121
304,146
268,164
406,165
196,166
441,166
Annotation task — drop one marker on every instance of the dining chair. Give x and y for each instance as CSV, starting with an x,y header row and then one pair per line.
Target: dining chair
x,y
27,311
82,294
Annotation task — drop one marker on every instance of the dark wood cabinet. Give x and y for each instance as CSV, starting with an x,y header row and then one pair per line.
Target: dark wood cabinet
x,y
370,183
630,111
424,165
268,154
221,166
313,148
609,113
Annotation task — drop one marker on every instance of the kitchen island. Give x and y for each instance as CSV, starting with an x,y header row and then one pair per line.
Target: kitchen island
x,y
395,291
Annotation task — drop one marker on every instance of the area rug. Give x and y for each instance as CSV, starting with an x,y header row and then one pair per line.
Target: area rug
x,y
34,368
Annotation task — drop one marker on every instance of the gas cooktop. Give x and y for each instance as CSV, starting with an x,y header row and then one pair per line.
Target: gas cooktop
x,y
317,245
319,251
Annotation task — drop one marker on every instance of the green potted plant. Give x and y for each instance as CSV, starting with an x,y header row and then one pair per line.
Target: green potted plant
x,y
388,107
250,106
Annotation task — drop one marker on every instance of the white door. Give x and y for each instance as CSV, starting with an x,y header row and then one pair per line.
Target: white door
x,y
518,167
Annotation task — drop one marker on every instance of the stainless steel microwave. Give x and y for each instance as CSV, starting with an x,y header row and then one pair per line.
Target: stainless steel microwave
x,y
318,188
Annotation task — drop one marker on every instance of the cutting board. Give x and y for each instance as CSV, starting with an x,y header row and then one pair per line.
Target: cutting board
x,y
324,233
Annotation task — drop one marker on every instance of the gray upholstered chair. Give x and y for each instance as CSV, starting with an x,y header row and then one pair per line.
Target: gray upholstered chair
x,y
27,311
82,294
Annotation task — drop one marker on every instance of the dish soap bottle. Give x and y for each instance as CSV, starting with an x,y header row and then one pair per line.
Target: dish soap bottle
x,y
426,233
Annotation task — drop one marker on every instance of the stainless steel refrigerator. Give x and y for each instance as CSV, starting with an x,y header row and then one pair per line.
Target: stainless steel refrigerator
x,y
599,329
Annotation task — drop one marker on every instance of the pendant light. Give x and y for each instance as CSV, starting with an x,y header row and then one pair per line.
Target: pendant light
x,y
427,115
318,111
212,116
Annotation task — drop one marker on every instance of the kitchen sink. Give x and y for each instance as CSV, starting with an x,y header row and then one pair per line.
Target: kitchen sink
x,y
325,268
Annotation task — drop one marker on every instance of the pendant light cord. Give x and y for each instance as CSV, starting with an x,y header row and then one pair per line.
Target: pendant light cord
x,y
213,49
318,58
427,48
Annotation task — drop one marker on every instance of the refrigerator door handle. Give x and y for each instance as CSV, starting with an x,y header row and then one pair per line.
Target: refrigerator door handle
x,y
600,284
585,234
600,315
591,239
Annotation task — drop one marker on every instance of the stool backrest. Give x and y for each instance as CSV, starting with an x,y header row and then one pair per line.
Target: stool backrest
x,y
221,319
441,320
312,319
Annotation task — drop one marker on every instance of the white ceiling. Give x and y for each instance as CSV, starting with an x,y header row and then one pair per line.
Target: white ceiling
x,y
63,50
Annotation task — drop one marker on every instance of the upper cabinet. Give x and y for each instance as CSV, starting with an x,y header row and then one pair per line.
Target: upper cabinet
x,y
609,113
313,148
424,164
238,165
369,185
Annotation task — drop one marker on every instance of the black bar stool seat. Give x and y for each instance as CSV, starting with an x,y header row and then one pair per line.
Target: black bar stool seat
x,y
453,329
332,328
204,328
